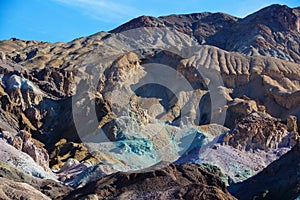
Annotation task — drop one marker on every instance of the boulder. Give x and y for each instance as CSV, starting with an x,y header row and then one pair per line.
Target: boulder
x,y
292,124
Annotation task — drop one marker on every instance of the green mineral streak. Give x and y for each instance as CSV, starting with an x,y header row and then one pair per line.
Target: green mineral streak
x,y
240,173
215,170
139,146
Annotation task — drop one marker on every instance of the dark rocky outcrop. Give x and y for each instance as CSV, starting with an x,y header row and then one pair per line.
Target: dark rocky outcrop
x,y
171,182
279,180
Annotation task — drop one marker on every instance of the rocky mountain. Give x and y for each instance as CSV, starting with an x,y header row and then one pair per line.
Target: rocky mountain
x,y
217,96
273,31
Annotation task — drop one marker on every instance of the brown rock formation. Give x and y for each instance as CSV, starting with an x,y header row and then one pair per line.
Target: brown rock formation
x,y
65,150
239,108
292,124
259,132
172,182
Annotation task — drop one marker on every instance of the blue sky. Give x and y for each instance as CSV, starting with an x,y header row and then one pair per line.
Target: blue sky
x,y
65,20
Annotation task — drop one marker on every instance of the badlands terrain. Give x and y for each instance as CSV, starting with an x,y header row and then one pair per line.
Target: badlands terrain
x,y
195,106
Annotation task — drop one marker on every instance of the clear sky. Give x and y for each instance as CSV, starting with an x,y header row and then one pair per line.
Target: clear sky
x,y
65,20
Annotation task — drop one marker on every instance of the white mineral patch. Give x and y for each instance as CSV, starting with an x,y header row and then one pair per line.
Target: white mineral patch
x,y
11,155
18,82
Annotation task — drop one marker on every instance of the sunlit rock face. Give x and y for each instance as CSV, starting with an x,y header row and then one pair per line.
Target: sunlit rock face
x,y
260,133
